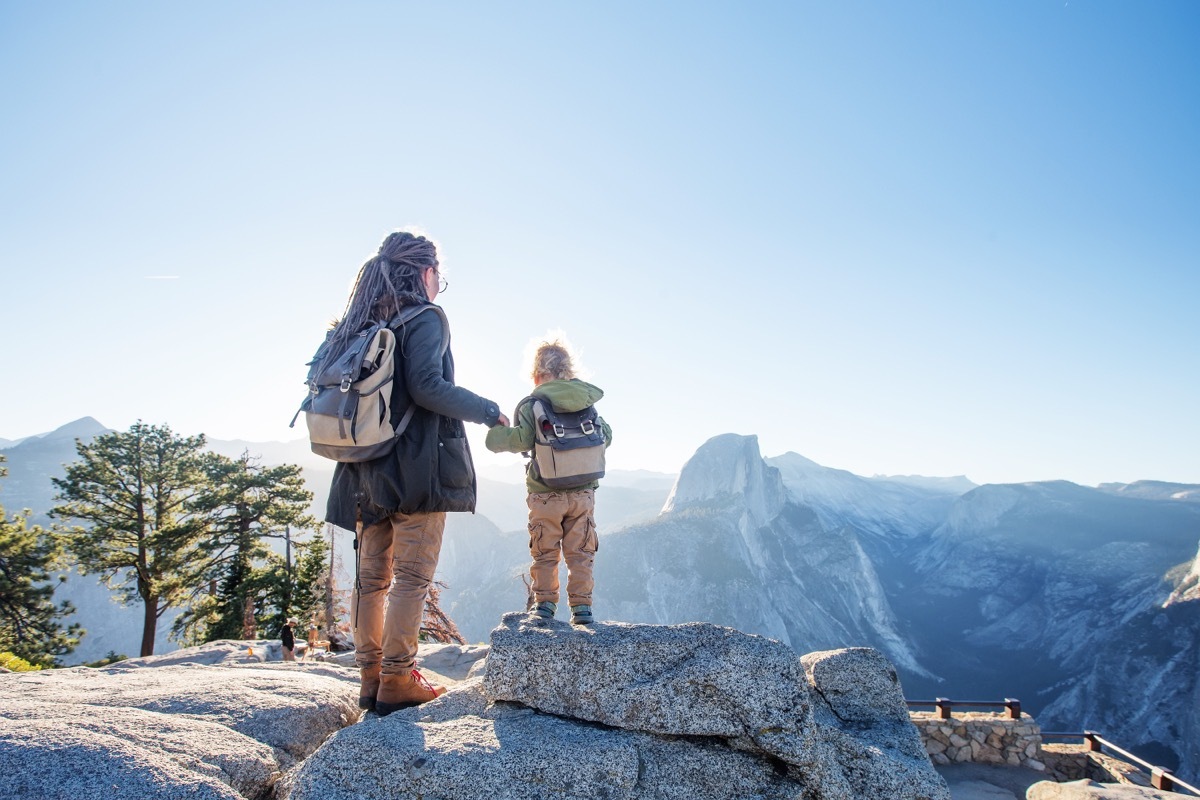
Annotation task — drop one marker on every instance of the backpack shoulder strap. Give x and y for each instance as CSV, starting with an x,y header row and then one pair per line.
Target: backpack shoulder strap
x,y
531,400
408,313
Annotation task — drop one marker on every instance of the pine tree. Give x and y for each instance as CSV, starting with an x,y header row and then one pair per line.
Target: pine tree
x,y
132,490
29,620
244,504
308,584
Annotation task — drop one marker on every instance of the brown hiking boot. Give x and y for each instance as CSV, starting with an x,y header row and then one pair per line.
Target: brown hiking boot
x,y
404,691
369,687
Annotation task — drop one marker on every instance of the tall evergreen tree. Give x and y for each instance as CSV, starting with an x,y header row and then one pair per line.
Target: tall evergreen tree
x,y
308,581
132,491
243,505
30,622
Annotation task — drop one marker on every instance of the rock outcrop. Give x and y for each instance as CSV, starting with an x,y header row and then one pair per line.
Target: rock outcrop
x,y
639,711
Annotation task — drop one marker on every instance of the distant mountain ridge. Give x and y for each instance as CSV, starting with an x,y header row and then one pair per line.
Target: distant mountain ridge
x,y
82,428
1155,490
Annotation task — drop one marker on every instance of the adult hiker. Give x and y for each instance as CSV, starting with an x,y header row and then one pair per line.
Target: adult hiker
x,y
287,638
398,501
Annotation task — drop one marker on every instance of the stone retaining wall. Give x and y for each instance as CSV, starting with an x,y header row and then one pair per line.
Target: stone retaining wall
x,y
981,738
1073,762
977,737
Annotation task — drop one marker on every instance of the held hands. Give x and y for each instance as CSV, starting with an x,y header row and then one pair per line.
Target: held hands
x,y
503,420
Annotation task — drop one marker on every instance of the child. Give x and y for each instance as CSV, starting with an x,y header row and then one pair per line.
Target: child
x,y
560,519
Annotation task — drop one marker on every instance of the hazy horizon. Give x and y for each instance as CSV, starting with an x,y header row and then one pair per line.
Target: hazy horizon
x,y
513,471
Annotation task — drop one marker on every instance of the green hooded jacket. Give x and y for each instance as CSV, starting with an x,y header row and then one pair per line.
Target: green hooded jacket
x,y
569,395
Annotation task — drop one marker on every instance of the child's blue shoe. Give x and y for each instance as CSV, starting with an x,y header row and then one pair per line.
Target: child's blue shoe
x,y
581,615
545,610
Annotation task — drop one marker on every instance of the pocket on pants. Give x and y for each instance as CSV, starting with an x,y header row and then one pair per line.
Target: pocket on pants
x,y
537,544
591,540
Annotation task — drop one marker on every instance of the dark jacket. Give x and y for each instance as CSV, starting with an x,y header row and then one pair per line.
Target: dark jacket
x,y
287,638
430,468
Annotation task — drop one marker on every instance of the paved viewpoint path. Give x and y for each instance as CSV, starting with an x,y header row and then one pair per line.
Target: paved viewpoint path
x,y
986,782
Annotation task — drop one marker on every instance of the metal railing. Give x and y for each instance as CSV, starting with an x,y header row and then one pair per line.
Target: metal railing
x,y
944,705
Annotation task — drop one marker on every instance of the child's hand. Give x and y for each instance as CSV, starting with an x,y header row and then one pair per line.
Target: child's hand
x,y
503,420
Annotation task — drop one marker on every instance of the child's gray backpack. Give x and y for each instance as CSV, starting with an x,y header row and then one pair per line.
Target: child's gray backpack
x,y
349,404
568,446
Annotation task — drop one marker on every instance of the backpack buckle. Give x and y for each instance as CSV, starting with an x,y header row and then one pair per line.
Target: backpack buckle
x,y
587,427
560,431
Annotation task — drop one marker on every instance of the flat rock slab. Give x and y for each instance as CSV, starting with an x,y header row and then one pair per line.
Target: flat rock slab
x,y
77,751
175,730
1091,790
451,661
222,651
284,706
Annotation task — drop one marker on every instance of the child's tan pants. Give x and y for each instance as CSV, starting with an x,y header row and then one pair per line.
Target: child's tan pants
x,y
562,522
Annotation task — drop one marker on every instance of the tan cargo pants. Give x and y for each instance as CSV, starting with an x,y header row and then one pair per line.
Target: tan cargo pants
x,y
400,552
562,522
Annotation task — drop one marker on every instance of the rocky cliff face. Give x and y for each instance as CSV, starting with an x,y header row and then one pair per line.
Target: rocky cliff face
x,y
886,508
790,577
1044,566
729,469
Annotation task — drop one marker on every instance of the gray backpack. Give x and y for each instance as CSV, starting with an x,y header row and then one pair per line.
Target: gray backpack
x,y
568,447
349,404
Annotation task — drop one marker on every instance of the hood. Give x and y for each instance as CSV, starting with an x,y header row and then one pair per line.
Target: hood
x,y
568,396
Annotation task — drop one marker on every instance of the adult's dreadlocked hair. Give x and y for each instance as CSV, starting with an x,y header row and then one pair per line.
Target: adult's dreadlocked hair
x,y
387,282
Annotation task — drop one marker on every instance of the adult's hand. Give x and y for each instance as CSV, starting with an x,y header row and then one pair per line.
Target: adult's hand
x,y
503,420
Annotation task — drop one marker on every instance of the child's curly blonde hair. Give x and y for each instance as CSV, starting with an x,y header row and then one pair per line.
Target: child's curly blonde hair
x,y
553,362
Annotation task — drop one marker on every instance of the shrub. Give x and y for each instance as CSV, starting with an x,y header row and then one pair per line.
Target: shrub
x,y
16,664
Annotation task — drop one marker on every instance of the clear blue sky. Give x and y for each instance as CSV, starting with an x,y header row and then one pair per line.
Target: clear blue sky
x,y
923,237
